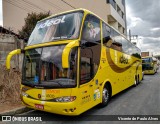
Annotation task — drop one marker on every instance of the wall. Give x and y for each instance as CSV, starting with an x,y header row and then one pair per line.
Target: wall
x,y
8,43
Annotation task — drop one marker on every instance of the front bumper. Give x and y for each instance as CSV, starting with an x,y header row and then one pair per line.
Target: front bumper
x,y
62,108
149,72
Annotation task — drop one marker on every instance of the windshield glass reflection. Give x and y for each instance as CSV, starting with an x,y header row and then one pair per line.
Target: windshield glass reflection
x,y
43,67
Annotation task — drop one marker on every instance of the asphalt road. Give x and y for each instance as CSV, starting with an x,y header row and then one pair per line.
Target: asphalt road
x,y
141,100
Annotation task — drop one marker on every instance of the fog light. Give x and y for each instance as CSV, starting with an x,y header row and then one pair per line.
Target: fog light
x,y
24,94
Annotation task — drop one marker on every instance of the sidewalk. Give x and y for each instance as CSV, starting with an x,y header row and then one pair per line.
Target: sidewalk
x,y
12,109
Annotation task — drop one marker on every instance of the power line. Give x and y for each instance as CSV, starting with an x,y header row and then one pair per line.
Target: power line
x,y
29,5
53,5
22,3
68,4
16,5
34,5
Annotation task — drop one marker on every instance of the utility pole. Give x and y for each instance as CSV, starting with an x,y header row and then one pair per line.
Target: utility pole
x,y
130,35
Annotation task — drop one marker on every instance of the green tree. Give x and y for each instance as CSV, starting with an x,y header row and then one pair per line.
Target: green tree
x,y
30,22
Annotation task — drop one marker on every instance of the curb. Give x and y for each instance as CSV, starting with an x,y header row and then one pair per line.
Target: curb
x,y
16,111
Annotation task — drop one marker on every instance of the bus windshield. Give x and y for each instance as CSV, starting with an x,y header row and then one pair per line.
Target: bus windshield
x,y
43,68
61,27
146,60
147,64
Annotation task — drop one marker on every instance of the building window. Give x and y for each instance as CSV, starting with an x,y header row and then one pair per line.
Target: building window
x,y
123,15
123,30
112,2
123,2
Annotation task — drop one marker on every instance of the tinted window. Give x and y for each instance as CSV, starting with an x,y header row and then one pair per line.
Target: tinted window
x,y
106,34
130,49
125,45
135,52
31,68
117,37
56,28
116,40
91,29
90,59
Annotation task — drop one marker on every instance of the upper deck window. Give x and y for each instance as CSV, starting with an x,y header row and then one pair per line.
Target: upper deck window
x,y
61,27
91,29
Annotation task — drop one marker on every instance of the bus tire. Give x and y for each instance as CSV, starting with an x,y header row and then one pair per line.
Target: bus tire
x,y
138,81
106,94
142,75
135,81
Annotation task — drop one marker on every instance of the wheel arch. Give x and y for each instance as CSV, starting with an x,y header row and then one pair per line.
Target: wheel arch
x,y
108,83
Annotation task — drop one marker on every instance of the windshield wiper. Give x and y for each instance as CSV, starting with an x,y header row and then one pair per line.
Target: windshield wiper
x,y
56,82
28,83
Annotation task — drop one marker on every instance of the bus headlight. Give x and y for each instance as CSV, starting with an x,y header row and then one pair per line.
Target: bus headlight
x,y
24,94
65,99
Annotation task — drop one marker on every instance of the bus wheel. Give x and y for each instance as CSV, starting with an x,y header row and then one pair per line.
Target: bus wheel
x,y
135,81
105,96
142,75
138,81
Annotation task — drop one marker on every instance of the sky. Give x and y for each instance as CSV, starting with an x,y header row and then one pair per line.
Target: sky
x,y
143,19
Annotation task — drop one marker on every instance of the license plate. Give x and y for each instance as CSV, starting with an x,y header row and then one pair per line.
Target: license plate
x,y
38,106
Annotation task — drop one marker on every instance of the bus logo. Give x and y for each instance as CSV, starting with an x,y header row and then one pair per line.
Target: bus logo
x,y
123,60
49,23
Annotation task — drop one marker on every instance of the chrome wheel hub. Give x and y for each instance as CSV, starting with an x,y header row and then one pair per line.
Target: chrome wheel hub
x,y
105,95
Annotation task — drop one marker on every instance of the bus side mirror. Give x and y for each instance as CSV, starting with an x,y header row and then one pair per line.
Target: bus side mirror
x,y
12,53
66,52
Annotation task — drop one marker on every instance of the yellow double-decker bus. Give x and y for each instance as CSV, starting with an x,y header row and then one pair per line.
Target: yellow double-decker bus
x,y
149,65
74,61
